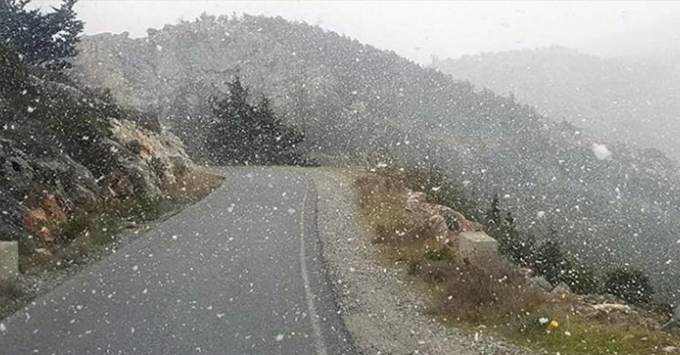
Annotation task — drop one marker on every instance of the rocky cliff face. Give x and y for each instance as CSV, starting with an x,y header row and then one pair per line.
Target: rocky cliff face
x,y
45,177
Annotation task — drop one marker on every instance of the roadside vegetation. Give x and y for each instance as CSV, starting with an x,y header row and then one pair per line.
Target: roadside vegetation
x,y
497,296
88,235
97,229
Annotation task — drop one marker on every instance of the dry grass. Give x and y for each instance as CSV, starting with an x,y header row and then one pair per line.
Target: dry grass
x,y
87,231
577,336
10,289
383,201
193,186
478,294
463,292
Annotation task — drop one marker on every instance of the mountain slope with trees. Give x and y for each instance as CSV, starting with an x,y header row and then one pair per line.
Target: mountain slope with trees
x,y
360,105
636,100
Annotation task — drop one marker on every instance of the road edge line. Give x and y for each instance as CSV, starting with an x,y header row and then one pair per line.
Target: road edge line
x,y
309,296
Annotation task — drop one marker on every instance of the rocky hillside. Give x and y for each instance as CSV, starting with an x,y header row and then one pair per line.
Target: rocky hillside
x,y
634,100
359,104
66,152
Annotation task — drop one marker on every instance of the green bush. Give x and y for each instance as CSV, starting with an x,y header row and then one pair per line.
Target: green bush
x,y
630,285
518,248
439,187
549,261
438,254
581,278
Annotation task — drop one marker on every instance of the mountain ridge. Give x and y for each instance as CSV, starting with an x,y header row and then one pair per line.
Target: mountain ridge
x,y
626,99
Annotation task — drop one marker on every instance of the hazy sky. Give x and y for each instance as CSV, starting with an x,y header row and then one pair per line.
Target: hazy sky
x,y
418,29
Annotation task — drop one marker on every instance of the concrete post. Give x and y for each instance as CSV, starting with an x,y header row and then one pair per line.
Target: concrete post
x,y
477,247
9,259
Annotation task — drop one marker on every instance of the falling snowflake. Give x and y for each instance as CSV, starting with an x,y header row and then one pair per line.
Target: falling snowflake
x,y
601,152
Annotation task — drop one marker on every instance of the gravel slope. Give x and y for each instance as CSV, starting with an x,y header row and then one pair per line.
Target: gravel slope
x,y
381,312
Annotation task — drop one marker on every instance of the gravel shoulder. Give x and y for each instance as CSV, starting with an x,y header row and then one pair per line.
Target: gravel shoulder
x,y
378,304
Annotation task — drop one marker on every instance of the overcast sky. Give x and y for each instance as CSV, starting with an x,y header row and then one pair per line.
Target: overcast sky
x,y
419,29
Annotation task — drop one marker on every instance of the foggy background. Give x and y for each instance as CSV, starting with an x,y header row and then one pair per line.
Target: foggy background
x,y
417,30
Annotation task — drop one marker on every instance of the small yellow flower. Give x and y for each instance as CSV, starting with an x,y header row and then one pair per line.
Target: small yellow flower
x,y
554,325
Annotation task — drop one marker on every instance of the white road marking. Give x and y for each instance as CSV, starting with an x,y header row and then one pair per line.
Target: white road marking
x,y
319,341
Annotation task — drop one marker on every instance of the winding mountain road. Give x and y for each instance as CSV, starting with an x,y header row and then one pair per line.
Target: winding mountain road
x,y
238,273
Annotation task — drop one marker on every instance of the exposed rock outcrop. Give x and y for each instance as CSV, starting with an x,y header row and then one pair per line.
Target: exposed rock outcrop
x,y
452,230
444,221
76,163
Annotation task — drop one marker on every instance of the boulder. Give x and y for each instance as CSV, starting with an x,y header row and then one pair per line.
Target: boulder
x,y
41,220
161,153
562,290
414,199
618,314
459,223
540,282
612,307
437,224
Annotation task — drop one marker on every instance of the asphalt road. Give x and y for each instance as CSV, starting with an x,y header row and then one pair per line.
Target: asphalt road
x,y
237,273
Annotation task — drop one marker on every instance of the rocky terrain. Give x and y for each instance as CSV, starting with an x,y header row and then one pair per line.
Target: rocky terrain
x,y
43,188
75,168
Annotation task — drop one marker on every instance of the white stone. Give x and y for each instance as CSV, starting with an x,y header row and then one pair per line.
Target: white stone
x,y
9,259
477,247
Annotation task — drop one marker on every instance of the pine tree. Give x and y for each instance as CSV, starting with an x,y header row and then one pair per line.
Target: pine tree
x,y
494,214
45,40
229,137
243,134
12,74
549,261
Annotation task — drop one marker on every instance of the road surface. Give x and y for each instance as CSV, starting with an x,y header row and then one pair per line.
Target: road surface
x,y
237,273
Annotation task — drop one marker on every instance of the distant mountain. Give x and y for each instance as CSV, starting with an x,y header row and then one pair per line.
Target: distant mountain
x,y
359,104
635,100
